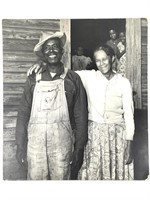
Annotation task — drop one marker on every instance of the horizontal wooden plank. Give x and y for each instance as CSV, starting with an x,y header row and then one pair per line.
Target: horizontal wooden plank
x,y
9,151
11,100
144,93
12,92
10,113
19,56
19,45
144,107
144,101
144,31
14,87
39,24
21,81
9,122
144,75
17,66
144,59
144,86
22,34
15,69
9,134
144,83
7,108
144,49
144,79
11,77
144,67
144,96
144,40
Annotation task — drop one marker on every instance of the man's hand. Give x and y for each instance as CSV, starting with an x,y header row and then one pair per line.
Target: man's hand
x,y
21,157
128,153
35,68
77,161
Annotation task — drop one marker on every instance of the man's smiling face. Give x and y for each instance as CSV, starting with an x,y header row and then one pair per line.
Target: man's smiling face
x,y
52,50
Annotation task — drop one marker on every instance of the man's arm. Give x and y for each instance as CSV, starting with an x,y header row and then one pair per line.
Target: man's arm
x,y
22,122
81,127
80,115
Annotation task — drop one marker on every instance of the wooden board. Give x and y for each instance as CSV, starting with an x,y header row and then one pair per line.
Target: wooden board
x,y
19,45
19,56
34,24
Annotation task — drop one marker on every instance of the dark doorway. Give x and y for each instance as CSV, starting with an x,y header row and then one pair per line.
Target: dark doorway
x,y
89,33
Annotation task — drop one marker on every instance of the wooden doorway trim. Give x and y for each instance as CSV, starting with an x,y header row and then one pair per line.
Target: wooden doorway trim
x,y
65,27
133,57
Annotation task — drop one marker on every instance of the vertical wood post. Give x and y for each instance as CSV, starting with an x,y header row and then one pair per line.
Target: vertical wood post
x,y
65,27
133,51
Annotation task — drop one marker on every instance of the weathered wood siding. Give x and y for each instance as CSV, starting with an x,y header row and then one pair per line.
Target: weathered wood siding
x,y
136,71
133,67
144,64
19,39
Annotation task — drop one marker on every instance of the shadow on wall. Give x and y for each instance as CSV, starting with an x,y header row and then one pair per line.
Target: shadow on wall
x,y
140,145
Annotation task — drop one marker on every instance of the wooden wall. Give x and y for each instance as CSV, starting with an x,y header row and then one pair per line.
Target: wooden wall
x,y
19,39
144,63
136,71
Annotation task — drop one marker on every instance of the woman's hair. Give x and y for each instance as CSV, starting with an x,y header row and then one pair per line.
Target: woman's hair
x,y
107,49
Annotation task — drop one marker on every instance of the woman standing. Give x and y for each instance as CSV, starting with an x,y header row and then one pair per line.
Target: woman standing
x,y
111,125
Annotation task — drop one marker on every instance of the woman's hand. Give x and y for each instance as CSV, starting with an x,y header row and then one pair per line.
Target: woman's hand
x,y
35,68
128,157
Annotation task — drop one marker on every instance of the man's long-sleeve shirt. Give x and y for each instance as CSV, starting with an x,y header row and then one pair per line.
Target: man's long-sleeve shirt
x,y
76,100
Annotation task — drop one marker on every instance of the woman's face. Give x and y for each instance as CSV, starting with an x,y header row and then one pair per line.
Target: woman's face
x,y
103,62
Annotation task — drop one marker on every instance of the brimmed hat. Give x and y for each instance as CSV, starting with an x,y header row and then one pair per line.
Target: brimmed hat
x,y
46,36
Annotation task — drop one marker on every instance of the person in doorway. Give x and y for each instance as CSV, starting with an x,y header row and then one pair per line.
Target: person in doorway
x,y
121,54
52,108
108,153
112,42
80,61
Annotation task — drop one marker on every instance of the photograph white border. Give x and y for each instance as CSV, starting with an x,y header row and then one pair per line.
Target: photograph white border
x,y
96,190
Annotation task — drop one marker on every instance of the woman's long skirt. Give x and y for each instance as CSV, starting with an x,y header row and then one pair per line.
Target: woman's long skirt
x,y
104,153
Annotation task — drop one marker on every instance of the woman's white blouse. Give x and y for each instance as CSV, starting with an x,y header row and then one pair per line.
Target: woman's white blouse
x,y
109,101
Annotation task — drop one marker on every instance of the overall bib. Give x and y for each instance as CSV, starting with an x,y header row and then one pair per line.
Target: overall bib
x,y
50,139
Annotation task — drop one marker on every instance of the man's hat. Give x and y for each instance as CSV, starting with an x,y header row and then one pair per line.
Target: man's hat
x,y
46,36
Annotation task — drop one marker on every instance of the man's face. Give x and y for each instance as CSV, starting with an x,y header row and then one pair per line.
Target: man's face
x,y
112,34
52,50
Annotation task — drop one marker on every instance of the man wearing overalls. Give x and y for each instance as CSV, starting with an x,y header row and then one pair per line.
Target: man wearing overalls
x,y
51,129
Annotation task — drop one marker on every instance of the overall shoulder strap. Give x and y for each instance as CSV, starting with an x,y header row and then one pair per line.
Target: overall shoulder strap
x,y
38,76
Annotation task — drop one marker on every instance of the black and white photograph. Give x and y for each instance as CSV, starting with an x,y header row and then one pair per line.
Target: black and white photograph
x,y
75,99
74,107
